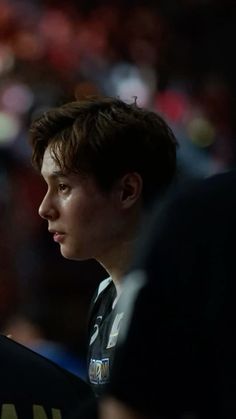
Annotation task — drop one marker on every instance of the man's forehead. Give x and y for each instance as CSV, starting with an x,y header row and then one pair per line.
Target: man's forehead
x,y
51,169
49,164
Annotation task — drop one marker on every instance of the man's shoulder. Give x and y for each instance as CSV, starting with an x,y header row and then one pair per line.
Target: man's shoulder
x,y
102,300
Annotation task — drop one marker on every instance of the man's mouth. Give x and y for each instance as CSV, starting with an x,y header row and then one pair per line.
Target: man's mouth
x,y
57,236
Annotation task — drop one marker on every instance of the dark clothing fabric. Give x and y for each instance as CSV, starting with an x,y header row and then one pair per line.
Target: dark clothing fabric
x,y
36,388
179,354
103,333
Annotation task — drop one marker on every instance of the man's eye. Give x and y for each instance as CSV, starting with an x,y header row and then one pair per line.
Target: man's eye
x,y
62,187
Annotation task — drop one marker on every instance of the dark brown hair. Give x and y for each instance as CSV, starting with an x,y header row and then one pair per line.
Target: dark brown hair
x,y
106,138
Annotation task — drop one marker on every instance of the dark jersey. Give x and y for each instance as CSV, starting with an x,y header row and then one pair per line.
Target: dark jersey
x,y
33,387
103,334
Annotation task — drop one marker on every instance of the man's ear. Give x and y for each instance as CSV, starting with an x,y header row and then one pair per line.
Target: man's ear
x,y
131,187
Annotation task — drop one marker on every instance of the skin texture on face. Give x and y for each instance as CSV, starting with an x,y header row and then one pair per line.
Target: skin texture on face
x,y
84,220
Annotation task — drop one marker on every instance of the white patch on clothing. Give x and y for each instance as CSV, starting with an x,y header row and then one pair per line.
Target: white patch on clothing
x,y
95,331
115,331
104,284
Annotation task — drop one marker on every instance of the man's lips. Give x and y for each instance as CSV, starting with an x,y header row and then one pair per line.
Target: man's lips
x,y
57,236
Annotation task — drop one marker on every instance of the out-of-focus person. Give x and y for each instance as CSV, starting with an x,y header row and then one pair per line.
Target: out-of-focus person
x,y
176,356
34,387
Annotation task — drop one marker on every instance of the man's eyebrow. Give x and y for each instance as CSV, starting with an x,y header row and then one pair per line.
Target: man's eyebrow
x,y
59,173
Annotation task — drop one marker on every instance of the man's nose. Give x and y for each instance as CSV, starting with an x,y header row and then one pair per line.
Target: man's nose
x,y
46,209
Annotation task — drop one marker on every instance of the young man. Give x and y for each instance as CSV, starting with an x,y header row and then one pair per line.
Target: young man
x,y
103,161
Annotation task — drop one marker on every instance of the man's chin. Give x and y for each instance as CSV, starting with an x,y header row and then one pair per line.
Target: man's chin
x,y
67,254
74,256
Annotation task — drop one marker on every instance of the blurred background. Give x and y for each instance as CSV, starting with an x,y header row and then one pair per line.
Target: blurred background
x,y
176,57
